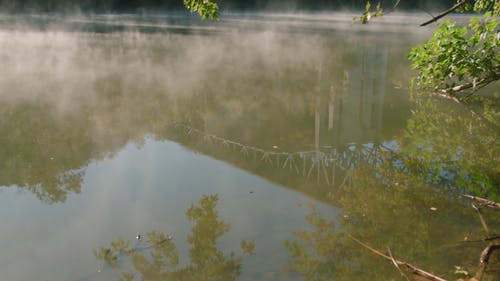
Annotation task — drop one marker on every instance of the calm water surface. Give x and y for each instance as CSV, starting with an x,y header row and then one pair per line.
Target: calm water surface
x,y
157,147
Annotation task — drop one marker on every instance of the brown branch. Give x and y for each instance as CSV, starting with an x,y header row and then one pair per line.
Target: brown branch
x,y
423,273
482,201
490,238
451,93
413,268
444,94
483,260
476,85
481,218
485,254
477,88
450,10
373,250
395,263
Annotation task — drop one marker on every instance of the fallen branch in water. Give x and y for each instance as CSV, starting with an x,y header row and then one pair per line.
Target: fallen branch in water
x,y
481,219
484,258
486,239
413,268
482,201
395,263
485,254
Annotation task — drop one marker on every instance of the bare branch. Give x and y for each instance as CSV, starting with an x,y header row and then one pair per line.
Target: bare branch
x,y
476,85
413,268
394,262
423,273
485,254
450,10
481,218
490,238
483,260
482,201
451,94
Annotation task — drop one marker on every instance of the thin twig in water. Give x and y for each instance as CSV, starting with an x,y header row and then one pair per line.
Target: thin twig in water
x,y
396,264
485,254
483,202
483,259
413,268
481,218
490,238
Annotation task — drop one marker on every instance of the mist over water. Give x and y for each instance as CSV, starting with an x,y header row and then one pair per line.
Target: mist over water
x,y
114,125
72,56
84,91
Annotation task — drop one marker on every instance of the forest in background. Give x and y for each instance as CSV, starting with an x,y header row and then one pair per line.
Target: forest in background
x,y
284,5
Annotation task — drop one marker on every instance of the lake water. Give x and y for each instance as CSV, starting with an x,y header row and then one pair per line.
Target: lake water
x,y
158,146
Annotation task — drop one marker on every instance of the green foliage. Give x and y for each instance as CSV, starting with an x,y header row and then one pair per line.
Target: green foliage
x,y
394,210
456,58
248,247
316,255
369,13
458,55
454,147
481,6
159,260
205,8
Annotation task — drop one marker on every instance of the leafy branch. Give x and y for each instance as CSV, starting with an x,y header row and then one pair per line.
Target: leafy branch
x,y
378,12
459,58
443,14
205,8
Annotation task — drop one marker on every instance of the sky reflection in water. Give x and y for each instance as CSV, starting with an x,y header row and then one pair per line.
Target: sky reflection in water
x,y
116,133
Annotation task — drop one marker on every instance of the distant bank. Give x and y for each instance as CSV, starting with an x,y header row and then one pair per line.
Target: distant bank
x,y
227,5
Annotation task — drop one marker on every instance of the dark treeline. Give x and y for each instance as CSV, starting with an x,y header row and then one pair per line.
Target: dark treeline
x,y
287,5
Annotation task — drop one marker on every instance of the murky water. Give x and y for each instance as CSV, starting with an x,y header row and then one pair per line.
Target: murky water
x,y
157,147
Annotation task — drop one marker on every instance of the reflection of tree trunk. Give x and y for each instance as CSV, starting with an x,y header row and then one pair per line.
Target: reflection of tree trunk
x,y
361,94
331,109
340,123
316,128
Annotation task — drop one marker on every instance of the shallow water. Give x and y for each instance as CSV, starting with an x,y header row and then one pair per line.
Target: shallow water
x,y
301,126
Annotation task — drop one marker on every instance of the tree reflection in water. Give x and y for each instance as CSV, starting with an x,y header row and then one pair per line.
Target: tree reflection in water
x,y
420,224
409,202
454,146
55,126
159,259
